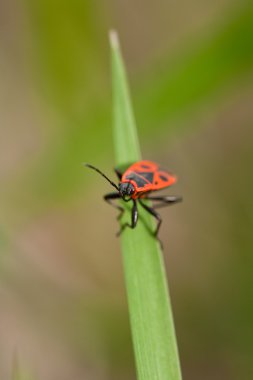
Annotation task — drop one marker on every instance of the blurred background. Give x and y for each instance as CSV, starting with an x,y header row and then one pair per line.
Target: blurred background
x,y
63,310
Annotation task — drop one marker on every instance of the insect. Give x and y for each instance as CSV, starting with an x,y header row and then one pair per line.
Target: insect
x,y
135,184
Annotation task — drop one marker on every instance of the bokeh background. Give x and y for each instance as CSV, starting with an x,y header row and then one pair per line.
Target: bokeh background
x,y
63,309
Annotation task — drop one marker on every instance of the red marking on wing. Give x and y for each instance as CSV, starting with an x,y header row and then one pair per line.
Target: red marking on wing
x,y
143,166
160,178
163,179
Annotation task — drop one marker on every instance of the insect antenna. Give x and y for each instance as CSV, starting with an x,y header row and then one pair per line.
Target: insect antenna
x,y
102,174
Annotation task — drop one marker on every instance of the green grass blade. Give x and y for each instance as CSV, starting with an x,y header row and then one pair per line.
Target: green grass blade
x,y
126,143
152,326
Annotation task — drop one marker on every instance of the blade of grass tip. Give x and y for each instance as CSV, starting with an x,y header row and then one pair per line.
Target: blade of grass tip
x,y
151,319
126,132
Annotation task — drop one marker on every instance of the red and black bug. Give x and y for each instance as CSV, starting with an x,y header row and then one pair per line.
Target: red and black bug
x,y
136,183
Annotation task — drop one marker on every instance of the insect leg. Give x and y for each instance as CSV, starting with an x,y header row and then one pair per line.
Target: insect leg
x,y
109,199
155,214
133,219
167,200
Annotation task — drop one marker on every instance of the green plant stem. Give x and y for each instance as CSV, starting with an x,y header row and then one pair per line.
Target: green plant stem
x,y
152,326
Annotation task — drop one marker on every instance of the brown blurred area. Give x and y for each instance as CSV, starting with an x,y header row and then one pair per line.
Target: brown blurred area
x,y
63,309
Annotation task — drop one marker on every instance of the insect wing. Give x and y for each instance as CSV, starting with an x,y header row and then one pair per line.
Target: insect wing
x,y
144,166
141,174
163,179
147,176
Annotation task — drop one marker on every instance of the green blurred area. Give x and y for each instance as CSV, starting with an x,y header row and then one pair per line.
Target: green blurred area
x,y
190,64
